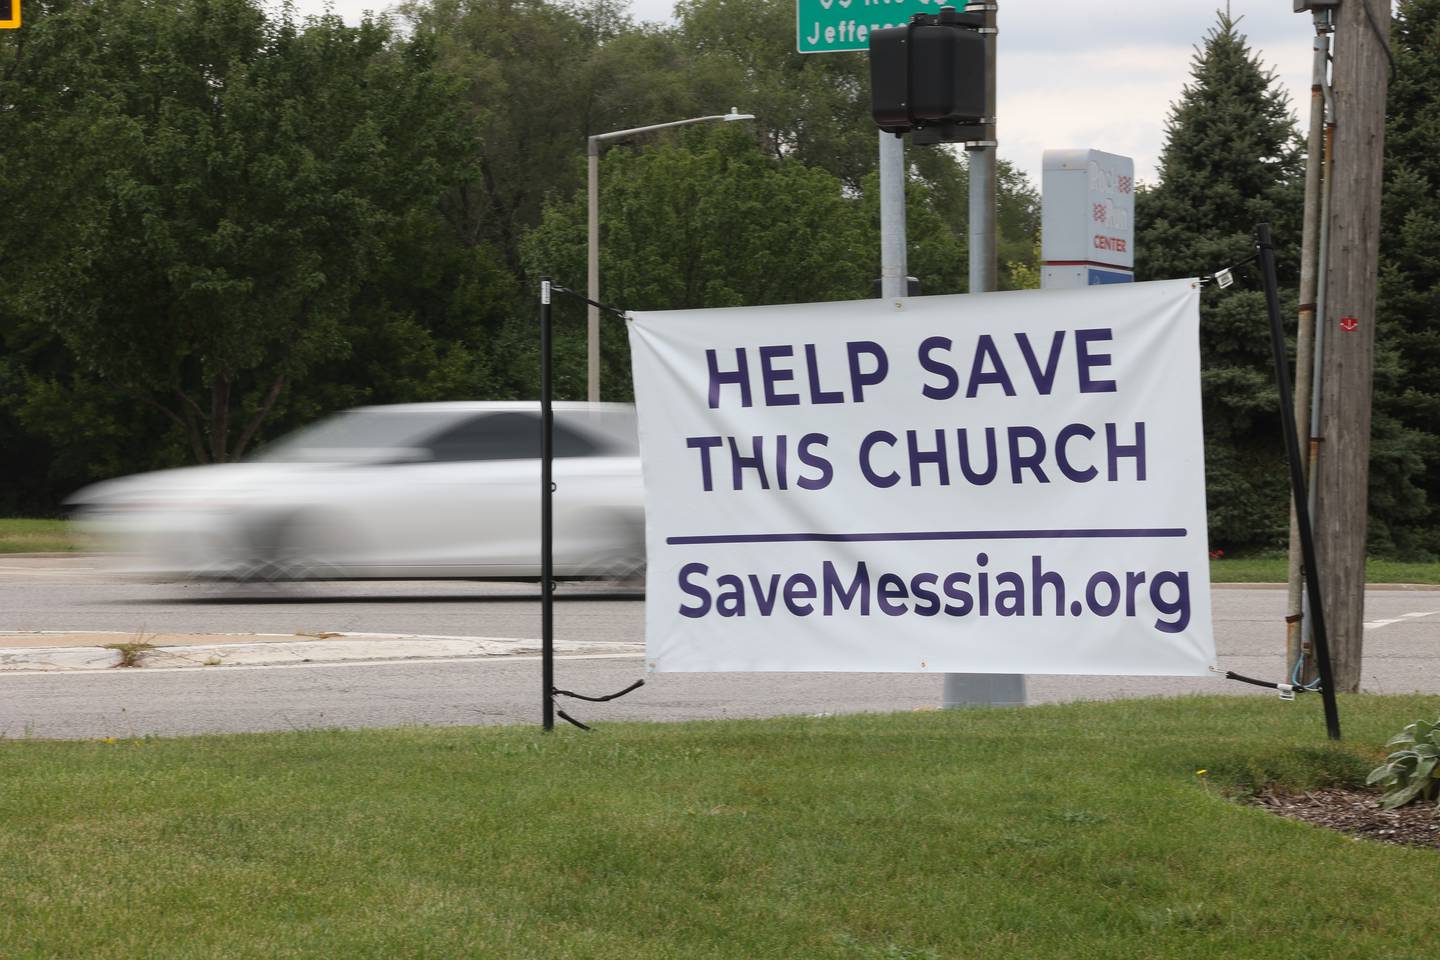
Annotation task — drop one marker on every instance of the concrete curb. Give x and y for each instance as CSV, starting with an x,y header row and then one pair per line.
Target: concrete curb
x,y
252,650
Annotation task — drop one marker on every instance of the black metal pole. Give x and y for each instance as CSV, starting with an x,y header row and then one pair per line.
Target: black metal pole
x,y
1297,479
547,540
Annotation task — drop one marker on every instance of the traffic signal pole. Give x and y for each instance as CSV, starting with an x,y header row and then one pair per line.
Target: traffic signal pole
x,y
893,270
984,689
934,78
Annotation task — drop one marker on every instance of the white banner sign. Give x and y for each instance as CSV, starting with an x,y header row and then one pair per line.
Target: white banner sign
x,y
996,483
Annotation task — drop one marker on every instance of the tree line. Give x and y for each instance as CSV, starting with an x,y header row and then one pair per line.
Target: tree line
x,y
221,222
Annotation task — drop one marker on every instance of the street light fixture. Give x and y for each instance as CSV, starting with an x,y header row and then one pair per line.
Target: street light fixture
x,y
592,281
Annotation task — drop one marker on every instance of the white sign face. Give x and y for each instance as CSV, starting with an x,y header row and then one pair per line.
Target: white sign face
x,y
1087,218
993,483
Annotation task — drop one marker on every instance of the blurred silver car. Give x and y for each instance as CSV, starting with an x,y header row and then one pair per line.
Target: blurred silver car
x,y
423,490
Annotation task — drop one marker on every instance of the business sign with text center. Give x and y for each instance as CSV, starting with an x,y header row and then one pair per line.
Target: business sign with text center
x,y
843,26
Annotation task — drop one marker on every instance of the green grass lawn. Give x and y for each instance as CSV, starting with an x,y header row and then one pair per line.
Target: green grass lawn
x,y
1077,831
1272,569
35,536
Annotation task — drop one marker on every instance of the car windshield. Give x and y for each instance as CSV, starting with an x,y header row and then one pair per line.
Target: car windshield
x,y
360,436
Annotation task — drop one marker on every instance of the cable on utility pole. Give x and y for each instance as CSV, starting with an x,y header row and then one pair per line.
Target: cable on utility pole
x,y
1296,644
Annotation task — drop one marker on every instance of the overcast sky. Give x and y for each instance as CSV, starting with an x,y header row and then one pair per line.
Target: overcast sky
x,y
1083,74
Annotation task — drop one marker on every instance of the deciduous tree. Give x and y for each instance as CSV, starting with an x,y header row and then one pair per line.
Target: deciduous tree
x,y
706,220
244,182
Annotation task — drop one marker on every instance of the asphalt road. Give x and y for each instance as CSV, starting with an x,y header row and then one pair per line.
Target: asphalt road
x,y
81,594
1402,654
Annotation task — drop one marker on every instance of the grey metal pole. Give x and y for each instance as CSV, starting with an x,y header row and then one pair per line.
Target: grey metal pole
x,y
982,219
547,537
892,216
1305,328
984,689
592,274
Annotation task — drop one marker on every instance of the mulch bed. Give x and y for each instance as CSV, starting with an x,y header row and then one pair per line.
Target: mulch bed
x,y
1359,814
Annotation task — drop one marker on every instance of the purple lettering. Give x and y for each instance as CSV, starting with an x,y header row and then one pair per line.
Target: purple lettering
x,y
817,395
718,378
1044,379
985,350
815,461
1116,451
756,462
1085,360
770,375
871,439
943,370
1026,461
859,380
704,445
1062,459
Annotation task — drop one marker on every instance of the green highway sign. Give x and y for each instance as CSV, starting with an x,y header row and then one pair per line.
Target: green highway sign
x,y
839,26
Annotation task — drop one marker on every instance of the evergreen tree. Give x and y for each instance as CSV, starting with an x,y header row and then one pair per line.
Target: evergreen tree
x,y
209,222
1232,159
1405,436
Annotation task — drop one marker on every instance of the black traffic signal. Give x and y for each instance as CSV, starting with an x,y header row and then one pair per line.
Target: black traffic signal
x,y
930,74
9,14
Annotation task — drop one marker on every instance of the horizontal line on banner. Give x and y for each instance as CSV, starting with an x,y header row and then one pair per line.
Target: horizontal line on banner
x,y
1086,263
929,535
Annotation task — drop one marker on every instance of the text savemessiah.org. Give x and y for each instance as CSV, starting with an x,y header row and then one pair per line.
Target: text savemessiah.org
x,y
976,593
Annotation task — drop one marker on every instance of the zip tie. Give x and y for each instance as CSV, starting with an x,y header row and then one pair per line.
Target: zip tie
x,y
1284,688
1225,276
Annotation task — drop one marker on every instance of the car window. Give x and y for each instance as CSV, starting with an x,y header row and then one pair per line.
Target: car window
x,y
505,436
357,435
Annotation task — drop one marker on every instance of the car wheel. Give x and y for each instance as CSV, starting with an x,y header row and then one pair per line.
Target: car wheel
x,y
625,567
296,547
626,571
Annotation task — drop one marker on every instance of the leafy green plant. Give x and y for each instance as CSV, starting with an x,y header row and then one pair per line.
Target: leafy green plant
x,y
1413,771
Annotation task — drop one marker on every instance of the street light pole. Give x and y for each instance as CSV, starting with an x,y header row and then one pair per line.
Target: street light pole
x,y
592,274
592,271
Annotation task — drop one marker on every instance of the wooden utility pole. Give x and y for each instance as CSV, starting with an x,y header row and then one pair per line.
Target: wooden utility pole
x,y
1359,78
